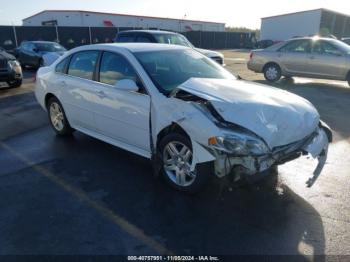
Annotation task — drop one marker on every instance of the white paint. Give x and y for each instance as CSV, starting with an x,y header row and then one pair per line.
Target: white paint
x,y
279,117
121,117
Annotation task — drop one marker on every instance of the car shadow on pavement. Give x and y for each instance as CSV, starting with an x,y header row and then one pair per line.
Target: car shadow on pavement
x,y
332,101
267,218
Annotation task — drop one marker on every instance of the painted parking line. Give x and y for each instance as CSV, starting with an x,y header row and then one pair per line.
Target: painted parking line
x,y
126,226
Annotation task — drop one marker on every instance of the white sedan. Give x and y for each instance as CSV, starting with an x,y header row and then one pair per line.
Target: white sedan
x,y
180,109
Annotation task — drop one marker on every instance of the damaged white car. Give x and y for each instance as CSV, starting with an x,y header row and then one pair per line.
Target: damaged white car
x,y
180,109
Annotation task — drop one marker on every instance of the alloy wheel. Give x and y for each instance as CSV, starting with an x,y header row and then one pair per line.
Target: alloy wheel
x,y
177,159
56,116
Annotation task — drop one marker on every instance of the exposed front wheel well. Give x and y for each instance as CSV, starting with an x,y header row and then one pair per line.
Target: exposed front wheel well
x,y
173,128
48,97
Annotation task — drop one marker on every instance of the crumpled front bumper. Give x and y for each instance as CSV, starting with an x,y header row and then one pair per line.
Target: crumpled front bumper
x,y
316,145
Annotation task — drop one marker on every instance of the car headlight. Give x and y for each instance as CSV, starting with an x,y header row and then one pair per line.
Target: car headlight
x,y
239,144
13,63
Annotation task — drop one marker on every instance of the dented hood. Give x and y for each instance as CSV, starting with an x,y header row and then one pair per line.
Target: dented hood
x,y
277,116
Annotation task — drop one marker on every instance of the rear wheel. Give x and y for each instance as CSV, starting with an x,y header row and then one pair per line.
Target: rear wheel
x,y
15,83
177,156
272,72
58,118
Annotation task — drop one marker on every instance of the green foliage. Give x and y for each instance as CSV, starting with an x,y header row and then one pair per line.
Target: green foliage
x,y
244,30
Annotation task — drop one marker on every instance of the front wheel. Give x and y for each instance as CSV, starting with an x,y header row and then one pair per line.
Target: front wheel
x,y
177,156
272,72
58,119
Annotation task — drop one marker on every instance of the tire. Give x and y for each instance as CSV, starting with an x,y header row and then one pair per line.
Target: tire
x,y
57,117
15,83
272,72
175,151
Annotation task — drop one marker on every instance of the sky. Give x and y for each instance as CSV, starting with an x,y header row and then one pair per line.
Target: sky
x,y
244,13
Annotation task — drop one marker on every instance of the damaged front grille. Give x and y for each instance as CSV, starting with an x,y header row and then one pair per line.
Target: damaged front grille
x,y
283,154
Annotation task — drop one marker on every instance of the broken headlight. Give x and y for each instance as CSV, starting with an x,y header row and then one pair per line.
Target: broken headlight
x,y
238,144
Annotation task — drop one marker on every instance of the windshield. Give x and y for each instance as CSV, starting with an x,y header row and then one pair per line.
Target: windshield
x,y
49,47
170,68
173,39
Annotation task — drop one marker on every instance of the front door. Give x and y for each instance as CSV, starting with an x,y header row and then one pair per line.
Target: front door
x,y
327,61
119,114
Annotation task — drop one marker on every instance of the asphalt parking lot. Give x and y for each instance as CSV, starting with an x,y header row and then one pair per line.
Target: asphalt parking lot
x,y
78,195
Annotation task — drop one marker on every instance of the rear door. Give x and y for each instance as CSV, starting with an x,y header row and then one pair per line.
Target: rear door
x,y
77,89
294,56
327,61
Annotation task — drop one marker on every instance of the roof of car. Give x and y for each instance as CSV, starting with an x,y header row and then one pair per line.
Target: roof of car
x,y
40,42
148,32
312,38
135,47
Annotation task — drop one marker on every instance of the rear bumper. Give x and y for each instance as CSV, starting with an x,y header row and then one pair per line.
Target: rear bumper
x,y
258,68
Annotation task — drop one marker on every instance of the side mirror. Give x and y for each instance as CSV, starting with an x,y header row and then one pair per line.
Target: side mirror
x,y
35,50
127,85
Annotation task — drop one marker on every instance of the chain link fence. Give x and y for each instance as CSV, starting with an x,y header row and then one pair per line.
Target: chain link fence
x,y
70,37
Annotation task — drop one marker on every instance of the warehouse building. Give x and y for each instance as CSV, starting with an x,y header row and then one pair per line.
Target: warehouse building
x,y
97,19
319,21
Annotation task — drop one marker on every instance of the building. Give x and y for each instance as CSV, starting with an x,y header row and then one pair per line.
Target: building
x,y
98,19
319,21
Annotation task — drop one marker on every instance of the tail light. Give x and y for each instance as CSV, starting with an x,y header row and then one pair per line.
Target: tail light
x,y
251,55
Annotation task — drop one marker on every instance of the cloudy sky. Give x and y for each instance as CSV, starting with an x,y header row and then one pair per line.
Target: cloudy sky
x,y
233,13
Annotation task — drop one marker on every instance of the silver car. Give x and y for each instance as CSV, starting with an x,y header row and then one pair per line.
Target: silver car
x,y
312,57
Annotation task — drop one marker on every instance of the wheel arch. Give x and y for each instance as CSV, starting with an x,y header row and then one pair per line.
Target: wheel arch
x,y
48,96
172,128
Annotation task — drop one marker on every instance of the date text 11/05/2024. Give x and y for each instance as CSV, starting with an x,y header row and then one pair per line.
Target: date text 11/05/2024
x,y
173,258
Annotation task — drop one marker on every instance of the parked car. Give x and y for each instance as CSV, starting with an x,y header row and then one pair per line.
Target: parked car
x,y
346,40
180,109
312,57
39,53
164,37
10,69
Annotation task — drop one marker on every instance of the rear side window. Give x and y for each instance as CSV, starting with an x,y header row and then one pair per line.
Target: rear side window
x,y
62,66
297,46
115,67
125,38
83,64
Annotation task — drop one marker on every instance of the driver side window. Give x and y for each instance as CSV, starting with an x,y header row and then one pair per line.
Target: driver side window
x,y
325,48
114,68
